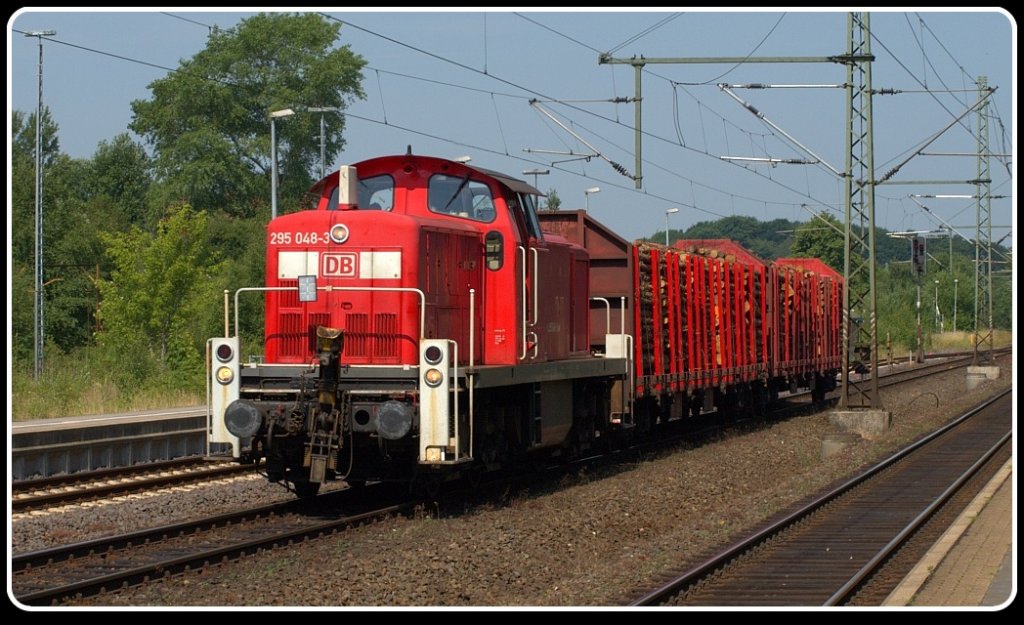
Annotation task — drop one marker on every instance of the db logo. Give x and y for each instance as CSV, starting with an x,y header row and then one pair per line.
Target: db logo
x,y
339,265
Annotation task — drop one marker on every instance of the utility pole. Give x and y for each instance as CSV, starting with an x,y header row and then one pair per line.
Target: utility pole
x,y
983,237
323,133
859,263
639,63
323,147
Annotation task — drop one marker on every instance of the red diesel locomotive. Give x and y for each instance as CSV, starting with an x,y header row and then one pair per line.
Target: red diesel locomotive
x,y
424,320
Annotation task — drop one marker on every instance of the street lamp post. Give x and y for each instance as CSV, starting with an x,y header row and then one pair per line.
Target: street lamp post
x,y
535,173
274,116
586,196
956,283
668,211
39,331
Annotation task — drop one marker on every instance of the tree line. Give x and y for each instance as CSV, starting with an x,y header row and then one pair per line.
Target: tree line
x,y
141,239
896,283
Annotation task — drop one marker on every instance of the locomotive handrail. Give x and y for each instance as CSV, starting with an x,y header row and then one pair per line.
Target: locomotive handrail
x,y
629,352
536,265
522,255
607,313
536,273
470,371
455,389
622,321
329,288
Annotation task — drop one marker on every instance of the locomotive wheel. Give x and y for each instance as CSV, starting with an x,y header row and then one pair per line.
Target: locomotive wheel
x,y
426,487
474,476
307,489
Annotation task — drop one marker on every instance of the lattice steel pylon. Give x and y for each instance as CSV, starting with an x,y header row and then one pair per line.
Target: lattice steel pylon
x,y
983,237
860,339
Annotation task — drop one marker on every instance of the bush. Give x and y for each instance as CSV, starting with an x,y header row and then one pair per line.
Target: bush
x,y
97,380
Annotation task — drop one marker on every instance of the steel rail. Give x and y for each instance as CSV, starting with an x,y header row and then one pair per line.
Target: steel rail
x,y
730,553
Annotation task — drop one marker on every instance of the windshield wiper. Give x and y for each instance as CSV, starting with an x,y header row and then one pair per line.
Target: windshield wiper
x,y
462,185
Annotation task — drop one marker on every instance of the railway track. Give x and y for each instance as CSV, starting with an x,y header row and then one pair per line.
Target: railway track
x,y
888,378
949,361
57,575
829,550
54,576
40,493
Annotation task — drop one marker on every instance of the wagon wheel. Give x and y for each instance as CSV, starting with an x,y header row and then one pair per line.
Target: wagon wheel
x,y
571,448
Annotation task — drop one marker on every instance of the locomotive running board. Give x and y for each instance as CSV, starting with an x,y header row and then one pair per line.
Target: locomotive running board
x,y
497,376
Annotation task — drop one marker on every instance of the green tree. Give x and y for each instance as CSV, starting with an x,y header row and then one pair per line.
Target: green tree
x,y
768,240
23,135
552,201
71,253
22,182
160,284
821,238
208,122
21,245
121,171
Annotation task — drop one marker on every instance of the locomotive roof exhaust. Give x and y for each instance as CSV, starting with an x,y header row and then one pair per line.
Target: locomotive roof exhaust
x,y
348,188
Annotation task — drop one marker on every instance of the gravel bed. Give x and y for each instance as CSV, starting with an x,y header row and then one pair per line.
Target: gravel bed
x,y
598,537
73,523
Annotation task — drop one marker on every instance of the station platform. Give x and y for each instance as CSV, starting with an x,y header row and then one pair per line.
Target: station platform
x,y
972,565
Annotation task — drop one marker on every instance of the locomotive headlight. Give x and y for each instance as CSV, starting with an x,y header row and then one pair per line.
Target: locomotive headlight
x,y
225,375
433,377
339,233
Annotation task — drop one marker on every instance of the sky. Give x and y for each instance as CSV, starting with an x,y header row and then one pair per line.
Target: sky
x,y
460,83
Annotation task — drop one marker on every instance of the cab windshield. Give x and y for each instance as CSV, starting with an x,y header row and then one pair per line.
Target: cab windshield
x,y
376,193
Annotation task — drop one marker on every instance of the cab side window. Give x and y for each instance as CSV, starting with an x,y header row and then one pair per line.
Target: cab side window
x,y
375,193
532,222
460,197
523,205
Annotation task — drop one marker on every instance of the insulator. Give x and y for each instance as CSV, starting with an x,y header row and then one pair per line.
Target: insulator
x,y
620,169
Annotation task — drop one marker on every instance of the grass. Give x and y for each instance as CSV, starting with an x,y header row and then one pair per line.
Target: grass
x,y
961,341
86,383
50,399
964,341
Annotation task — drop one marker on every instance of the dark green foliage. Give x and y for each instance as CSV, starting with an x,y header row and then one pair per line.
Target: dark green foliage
x,y
552,202
122,172
209,124
821,238
769,240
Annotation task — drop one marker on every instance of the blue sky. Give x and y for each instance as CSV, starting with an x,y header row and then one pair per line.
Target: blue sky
x,y
459,83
